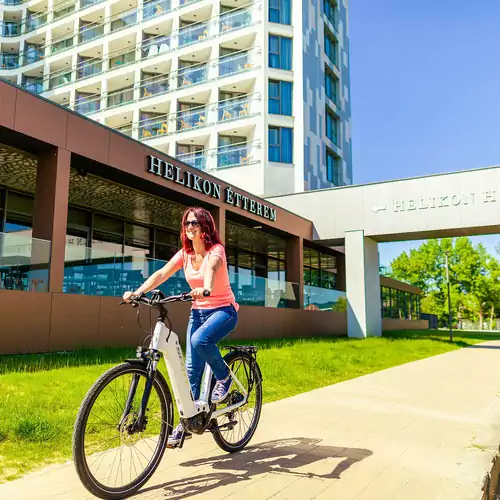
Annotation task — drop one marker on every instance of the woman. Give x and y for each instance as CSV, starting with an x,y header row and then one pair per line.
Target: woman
x,y
212,318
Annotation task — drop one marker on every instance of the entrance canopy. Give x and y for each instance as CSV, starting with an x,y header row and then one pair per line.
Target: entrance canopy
x,y
453,204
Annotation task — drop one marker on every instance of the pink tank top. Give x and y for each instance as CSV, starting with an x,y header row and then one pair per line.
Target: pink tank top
x,y
221,295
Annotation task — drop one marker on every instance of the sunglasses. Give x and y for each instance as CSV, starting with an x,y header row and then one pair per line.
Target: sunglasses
x,y
194,223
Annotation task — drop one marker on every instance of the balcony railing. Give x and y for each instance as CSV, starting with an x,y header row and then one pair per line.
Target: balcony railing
x,y
35,87
197,159
35,22
87,69
24,262
188,76
209,28
192,34
59,80
87,104
9,61
9,29
234,155
120,97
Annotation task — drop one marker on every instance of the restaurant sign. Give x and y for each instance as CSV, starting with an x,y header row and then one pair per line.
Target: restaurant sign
x,y
196,182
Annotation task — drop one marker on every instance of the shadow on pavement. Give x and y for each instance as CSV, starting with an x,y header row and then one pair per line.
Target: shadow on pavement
x,y
284,456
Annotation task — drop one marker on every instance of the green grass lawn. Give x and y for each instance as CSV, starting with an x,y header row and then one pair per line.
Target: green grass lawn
x,y
40,394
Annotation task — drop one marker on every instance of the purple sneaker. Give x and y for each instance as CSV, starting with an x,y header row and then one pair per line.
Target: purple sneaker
x,y
221,390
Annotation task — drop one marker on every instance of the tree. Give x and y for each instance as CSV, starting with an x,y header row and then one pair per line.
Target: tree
x,y
474,278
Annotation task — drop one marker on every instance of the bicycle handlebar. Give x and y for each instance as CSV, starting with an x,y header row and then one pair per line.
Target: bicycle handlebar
x,y
142,299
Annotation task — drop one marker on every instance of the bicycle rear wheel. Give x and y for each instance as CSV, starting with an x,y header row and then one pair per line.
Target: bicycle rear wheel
x,y
112,459
233,431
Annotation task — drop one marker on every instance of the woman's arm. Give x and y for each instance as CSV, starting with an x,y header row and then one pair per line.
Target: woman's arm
x,y
214,263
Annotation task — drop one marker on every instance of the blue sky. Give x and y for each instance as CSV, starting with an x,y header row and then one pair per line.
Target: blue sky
x,y
425,90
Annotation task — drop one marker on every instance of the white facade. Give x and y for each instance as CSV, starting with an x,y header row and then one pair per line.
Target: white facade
x,y
191,78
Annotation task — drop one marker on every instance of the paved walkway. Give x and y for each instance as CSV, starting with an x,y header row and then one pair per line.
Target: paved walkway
x,y
422,431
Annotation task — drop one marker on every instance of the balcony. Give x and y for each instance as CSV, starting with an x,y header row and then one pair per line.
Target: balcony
x,y
192,75
88,104
61,45
234,20
120,97
35,22
193,118
153,127
197,159
35,86
86,69
158,45
193,33
154,86
234,155
201,117
90,32
237,63
155,8
9,61
9,29
124,20
60,79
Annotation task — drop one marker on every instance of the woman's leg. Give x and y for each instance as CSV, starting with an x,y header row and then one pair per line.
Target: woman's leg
x,y
194,363
216,326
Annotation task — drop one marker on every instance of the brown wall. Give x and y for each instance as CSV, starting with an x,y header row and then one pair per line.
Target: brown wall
x,y
391,324
41,322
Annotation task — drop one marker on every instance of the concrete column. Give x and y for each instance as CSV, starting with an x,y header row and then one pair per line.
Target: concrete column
x,y
340,257
294,256
363,286
219,215
51,210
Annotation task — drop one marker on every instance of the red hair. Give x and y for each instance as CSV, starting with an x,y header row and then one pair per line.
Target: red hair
x,y
209,234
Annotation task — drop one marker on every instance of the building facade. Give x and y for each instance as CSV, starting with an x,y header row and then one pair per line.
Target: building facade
x,y
87,213
255,93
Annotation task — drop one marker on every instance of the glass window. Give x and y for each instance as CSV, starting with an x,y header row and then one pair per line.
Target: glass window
x,y
333,168
330,47
331,85
280,11
281,144
319,268
330,10
280,98
19,215
332,124
280,52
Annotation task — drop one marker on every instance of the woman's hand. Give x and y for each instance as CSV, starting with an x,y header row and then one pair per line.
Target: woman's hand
x,y
197,293
127,295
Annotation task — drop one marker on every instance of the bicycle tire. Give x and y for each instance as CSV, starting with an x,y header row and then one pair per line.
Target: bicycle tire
x,y
230,358
88,480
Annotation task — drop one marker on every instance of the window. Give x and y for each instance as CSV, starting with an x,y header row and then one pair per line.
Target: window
x,y
280,98
332,125
331,85
330,10
280,52
319,269
331,47
280,11
19,216
280,144
332,168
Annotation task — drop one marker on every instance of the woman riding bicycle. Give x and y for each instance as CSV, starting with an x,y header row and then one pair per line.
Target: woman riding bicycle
x,y
212,317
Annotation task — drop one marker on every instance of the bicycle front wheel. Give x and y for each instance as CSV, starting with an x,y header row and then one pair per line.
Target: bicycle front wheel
x,y
112,457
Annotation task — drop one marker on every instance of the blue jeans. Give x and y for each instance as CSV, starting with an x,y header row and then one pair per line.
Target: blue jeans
x,y
206,328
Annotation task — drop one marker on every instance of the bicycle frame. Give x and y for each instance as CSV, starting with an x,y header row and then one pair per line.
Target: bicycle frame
x,y
166,341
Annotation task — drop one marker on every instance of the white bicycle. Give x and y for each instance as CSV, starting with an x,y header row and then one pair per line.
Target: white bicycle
x,y
124,421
